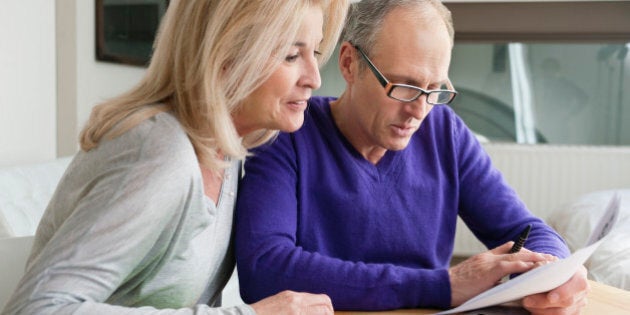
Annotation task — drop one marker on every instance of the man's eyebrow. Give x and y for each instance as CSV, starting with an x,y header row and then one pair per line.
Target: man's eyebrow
x,y
404,79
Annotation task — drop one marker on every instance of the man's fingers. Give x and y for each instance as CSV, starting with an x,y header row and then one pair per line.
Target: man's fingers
x,y
503,249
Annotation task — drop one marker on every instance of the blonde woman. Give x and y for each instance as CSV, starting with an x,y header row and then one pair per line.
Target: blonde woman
x,y
141,221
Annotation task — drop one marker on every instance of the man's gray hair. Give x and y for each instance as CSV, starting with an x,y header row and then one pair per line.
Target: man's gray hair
x,y
365,19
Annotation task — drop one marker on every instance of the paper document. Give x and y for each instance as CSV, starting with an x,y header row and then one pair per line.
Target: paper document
x,y
546,277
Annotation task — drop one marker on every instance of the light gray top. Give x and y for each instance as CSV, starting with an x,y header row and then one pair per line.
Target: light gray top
x,y
130,230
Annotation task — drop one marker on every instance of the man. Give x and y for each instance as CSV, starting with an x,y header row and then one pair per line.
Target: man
x,y
361,203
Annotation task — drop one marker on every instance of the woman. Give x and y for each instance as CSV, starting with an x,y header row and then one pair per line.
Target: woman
x,y
141,221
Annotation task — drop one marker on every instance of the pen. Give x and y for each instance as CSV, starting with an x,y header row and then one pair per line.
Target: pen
x,y
521,240
518,244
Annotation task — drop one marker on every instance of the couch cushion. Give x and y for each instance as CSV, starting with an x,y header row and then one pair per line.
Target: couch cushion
x,y
610,263
5,229
14,252
25,192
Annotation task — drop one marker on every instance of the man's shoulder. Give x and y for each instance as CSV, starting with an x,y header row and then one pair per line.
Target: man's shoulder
x,y
441,112
321,101
316,116
442,118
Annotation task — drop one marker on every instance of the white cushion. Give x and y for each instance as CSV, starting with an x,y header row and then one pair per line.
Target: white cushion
x,y
25,192
5,229
610,263
14,252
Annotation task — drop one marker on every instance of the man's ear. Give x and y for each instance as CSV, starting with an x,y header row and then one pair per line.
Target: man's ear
x,y
348,61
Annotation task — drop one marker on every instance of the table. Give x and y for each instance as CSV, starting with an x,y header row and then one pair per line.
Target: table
x,y
603,299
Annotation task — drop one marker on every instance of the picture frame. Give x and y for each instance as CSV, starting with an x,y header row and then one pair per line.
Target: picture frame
x,y
126,29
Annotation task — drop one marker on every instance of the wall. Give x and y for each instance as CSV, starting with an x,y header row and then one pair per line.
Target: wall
x,y
27,81
550,177
90,81
49,78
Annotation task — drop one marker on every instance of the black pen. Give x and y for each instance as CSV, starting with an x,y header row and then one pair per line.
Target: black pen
x,y
521,240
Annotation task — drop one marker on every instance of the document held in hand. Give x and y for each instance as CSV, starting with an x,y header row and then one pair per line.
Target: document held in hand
x,y
546,277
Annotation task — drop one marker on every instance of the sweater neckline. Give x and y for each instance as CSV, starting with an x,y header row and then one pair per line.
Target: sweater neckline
x,y
384,165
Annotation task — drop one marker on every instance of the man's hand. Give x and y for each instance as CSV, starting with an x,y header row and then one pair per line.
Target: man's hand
x,y
483,271
568,298
290,302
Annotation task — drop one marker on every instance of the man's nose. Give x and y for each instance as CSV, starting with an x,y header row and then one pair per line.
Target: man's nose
x,y
419,108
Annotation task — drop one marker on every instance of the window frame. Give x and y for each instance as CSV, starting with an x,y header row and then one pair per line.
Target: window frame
x,y
539,21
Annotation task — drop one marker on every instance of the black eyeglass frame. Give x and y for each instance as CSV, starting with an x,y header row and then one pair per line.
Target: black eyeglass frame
x,y
389,87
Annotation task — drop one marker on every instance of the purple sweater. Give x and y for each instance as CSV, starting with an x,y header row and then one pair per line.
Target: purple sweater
x,y
313,215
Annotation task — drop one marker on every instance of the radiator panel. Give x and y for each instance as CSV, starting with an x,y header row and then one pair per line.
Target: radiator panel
x,y
548,176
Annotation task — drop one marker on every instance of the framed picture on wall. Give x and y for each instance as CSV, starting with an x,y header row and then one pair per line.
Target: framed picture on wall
x,y
125,29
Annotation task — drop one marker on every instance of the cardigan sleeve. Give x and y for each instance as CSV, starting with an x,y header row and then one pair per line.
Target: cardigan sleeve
x,y
126,213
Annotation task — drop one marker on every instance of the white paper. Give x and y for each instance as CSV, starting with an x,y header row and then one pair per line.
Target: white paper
x,y
547,277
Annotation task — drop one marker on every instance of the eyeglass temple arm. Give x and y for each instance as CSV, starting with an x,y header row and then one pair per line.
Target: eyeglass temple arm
x,y
379,76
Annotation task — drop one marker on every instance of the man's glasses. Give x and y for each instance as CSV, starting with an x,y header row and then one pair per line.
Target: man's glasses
x,y
410,93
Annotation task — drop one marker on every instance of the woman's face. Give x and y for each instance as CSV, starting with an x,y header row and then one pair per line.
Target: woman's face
x,y
279,103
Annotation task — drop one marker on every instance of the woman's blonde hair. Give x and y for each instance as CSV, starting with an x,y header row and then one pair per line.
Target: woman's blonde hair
x,y
209,55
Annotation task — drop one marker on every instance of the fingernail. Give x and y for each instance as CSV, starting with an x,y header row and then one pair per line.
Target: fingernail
x,y
553,297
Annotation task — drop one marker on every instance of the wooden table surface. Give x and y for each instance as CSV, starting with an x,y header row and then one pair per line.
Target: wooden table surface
x,y
603,300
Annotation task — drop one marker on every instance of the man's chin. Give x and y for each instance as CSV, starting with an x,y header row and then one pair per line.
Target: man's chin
x,y
398,145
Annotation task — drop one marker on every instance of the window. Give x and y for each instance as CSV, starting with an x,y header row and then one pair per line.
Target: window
x,y
538,71
543,72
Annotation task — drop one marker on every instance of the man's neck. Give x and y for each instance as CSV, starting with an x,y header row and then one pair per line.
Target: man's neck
x,y
353,133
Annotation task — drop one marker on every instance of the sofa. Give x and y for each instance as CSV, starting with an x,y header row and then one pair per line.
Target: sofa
x,y
24,193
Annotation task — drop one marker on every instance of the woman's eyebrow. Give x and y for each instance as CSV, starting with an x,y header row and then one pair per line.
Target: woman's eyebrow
x,y
303,44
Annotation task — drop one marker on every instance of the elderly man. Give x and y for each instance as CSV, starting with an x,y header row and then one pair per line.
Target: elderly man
x,y
361,203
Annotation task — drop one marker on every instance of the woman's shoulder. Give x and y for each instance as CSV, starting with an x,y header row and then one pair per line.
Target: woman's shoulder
x,y
159,140
159,134
160,131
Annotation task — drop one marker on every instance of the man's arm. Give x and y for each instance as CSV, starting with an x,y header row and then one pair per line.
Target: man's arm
x,y
490,207
488,203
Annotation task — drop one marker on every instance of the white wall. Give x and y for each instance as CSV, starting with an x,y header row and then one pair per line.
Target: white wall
x,y
49,77
94,81
27,81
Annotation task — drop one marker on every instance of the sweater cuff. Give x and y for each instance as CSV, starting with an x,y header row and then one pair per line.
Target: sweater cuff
x,y
436,289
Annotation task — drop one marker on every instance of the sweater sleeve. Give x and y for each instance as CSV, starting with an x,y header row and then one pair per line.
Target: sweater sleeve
x,y
270,260
489,206
124,217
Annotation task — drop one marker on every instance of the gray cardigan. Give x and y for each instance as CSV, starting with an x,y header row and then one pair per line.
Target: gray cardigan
x,y
130,230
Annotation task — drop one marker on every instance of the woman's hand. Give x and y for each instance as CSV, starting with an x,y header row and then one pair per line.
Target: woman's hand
x,y
290,302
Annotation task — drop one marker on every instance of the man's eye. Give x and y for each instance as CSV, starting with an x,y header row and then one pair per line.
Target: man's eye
x,y
291,58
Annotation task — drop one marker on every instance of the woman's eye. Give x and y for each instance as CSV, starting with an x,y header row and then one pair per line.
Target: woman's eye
x,y
291,58
317,53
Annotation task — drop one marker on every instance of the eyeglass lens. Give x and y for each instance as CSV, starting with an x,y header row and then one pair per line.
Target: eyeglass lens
x,y
405,93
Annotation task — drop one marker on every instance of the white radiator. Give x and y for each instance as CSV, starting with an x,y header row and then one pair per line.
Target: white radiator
x,y
548,176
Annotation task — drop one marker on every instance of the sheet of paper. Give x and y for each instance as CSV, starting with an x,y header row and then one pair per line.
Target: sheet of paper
x,y
547,277
607,221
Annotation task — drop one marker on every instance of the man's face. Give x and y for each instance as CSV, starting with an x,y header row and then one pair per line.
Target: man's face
x,y
410,50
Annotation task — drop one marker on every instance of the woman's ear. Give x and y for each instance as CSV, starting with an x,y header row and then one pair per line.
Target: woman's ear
x,y
348,61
